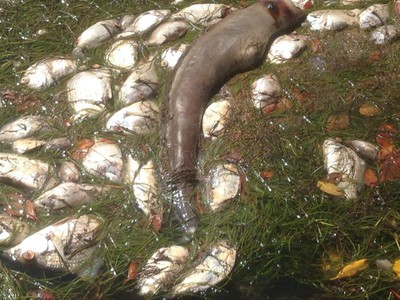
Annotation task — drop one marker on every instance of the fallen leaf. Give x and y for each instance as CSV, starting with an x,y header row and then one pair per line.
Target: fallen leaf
x,y
157,221
370,177
384,139
352,269
337,122
395,294
387,127
300,95
389,167
82,148
396,268
266,174
30,210
329,188
308,5
269,108
315,45
375,56
132,272
369,110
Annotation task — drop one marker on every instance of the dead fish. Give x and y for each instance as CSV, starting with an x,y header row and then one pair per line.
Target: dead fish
x,y
203,14
141,84
265,90
161,270
374,16
145,190
69,194
88,92
95,35
12,230
48,72
170,56
23,127
145,22
21,146
68,172
104,159
123,54
131,168
65,246
383,34
215,117
215,266
139,118
20,171
222,185
286,47
364,149
332,19
167,32
342,162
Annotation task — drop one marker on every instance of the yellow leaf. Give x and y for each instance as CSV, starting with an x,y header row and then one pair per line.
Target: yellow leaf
x,y
329,188
352,269
396,268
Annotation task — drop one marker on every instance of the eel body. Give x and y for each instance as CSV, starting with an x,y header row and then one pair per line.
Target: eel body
x,y
236,44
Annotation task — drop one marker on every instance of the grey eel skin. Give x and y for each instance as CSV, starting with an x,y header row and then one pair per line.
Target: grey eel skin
x,y
236,44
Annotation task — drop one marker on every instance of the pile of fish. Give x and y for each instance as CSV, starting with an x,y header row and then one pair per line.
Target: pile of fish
x,y
70,244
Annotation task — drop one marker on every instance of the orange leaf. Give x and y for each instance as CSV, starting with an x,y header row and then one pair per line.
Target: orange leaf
x,y
132,272
266,174
390,166
387,128
30,210
370,177
157,221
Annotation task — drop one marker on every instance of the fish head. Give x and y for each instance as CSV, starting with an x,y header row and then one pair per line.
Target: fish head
x,y
31,251
286,15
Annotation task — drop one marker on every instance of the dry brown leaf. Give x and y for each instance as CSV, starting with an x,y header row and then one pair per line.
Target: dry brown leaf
x,y
266,174
132,272
156,221
390,166
370,177
337,122
369,110
329,188
352,269
396,268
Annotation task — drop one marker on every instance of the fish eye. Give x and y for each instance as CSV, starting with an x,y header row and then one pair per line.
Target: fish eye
x,y
271,6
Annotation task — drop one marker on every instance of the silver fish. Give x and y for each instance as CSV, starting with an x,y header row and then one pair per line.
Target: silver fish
x,y
95,35
215,117
123,54
21,146
222,185
286,47
65,246
161,270
30,174
69,194
12,230
265,90
339,159
104,159
332,19
145,22
167,32
23,127
374,16
88,92
215,266
203,14
142,83
364,149
48,72
139,118
384,34
170,56
67,171
145,190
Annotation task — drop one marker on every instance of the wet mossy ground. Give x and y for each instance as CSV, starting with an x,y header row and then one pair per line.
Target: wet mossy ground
x,y
291,238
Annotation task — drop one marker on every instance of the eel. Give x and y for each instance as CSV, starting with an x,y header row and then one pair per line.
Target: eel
x,y
236,44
